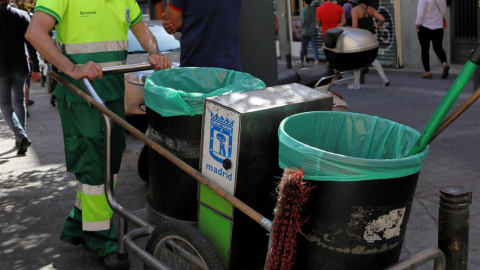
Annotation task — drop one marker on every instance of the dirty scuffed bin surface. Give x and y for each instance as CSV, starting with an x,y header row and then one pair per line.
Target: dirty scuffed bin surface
x,y
364,183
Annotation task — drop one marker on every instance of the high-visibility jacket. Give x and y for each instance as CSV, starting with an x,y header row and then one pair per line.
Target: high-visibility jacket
x,y
93,30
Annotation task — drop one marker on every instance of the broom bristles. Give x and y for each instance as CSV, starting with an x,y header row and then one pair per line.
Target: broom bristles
x,y
292,196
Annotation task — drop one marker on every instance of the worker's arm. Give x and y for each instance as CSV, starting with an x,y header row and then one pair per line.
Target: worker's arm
x,y
37,35
173,19
149,44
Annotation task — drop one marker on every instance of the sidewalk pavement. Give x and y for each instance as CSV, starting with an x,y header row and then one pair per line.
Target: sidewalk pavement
x,y
36,193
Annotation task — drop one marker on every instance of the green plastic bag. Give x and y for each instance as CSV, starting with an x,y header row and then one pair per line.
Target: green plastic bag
x,y
344,146
182,91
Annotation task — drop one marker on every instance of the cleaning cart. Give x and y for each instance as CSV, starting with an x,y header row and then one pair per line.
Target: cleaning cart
x,y
191,250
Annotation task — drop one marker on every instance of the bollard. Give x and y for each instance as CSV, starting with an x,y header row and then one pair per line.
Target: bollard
x,y
453,226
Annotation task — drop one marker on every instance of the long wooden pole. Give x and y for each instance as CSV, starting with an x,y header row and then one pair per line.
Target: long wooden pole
x,y
465,105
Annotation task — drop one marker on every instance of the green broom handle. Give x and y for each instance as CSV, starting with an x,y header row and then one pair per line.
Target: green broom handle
x,y
447,101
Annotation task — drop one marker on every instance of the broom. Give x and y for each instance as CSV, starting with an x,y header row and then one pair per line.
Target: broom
x,y
292,196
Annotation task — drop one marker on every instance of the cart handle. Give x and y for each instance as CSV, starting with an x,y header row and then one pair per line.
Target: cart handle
x,y
127,68
257,217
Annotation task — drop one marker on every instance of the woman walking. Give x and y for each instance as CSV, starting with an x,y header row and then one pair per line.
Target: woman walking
x,y
430,29
362,17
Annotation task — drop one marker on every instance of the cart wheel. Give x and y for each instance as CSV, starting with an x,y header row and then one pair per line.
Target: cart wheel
x,y
182,246
142,165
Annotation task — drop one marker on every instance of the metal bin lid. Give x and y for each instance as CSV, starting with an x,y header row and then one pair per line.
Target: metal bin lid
x,y
349,40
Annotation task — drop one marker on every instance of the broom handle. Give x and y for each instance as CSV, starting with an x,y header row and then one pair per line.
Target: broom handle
x,y
447,101
263,221
452,117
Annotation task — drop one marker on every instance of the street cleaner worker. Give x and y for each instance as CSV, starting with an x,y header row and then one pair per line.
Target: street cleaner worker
x,y
91,34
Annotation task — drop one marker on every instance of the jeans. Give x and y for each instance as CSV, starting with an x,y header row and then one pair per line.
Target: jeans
x,y
12,103
303,49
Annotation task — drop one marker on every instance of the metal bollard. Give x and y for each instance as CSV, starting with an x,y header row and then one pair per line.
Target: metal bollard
x,y
453,226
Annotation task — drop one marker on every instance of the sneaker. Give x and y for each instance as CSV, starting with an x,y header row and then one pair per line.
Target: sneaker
x,y
387,83
112,262
354,86
30,102
23,145
316,63
299,63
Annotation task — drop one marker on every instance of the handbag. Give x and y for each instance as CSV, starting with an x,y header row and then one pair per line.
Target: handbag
x,y
444,20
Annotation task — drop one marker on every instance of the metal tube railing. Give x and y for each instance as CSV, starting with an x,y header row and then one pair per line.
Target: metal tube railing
x,y
139,252
126,68
421,258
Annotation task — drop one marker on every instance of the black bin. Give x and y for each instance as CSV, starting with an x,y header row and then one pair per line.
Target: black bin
x,y
175,100
172,192
363,186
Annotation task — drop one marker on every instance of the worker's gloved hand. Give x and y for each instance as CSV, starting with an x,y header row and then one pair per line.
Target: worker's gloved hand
x,y
159,61
90,70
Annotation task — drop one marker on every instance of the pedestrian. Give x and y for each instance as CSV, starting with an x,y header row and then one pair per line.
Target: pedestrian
x,y
209,32
362,17
14,71
347,7
308,32
430,29
330,15
91,34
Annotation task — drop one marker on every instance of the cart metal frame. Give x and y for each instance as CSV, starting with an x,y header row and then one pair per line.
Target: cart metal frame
x,y
127,240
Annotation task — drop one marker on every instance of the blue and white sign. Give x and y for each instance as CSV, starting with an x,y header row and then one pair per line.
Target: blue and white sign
x,y
221,132
220,141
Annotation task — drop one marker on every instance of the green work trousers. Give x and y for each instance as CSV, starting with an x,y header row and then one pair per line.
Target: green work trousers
x,y
84,142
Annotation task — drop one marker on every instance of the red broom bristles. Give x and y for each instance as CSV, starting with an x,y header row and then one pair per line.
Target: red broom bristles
x,y
293,194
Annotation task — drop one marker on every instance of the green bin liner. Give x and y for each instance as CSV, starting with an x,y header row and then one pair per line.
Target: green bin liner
x,y
182,91
345,146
